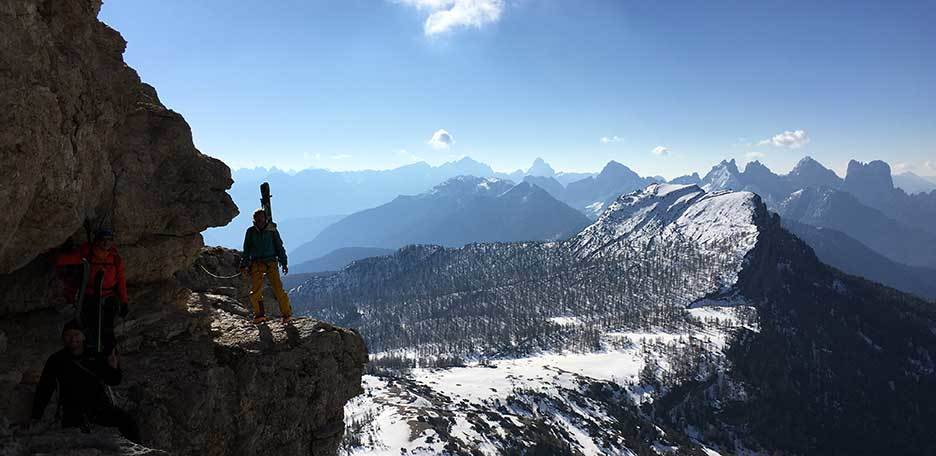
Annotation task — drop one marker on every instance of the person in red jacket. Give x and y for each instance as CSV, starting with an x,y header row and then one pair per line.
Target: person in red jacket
x,y
106,289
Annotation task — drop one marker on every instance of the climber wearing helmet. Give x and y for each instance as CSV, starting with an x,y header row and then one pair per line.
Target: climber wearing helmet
x,y
263,255
105,291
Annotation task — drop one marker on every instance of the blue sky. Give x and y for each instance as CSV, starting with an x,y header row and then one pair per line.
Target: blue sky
x,y
671,87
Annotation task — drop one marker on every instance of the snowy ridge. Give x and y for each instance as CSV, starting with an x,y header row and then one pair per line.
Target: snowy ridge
x,y
722,221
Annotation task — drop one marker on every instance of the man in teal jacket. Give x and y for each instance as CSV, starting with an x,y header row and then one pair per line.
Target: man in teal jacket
x,y
263,254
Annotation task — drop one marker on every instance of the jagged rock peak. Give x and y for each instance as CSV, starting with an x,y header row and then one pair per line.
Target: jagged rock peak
x,y
688,179
616,169
724,175
541,168
875,175
756,168
809,172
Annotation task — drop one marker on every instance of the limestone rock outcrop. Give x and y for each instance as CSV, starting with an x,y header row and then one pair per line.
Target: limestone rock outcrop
x,y
84,142
201,378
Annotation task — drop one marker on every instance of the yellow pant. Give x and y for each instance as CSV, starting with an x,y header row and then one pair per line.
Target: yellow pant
x,y
269,268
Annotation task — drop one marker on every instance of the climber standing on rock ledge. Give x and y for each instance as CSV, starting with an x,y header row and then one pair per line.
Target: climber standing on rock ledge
x,y
263,255
105,291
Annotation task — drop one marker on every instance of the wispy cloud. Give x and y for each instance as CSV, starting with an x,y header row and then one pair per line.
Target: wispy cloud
x,y
789,139
924,168
340,157
446,15
611,139
660,151
754,155
441,139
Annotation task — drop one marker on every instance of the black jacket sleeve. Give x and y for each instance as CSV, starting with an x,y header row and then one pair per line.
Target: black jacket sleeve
x,y
48,382
280,250
109,375
248,245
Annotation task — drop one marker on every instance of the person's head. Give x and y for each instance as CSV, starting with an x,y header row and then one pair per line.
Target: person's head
x,y
72,337
259,218
104,239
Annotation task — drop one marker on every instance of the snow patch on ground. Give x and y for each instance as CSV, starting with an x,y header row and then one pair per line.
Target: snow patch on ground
x,y
391,415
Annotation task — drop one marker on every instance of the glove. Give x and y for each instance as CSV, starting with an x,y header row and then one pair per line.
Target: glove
x,y
124,309
285,269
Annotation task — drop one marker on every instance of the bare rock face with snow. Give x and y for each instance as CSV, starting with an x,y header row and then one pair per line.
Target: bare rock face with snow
x,y
84,139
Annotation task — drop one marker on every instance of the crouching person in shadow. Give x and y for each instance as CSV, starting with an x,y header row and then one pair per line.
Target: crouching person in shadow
x,y
82,378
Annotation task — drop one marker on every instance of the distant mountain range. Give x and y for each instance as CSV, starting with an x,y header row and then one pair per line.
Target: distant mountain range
x,y
314,193
336,260
461,210
865,206
790,356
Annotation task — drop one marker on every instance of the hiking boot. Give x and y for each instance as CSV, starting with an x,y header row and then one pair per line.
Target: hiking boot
x,y
259,319
287,319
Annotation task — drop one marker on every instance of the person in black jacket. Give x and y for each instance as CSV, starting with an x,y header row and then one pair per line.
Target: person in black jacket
x,y
81,377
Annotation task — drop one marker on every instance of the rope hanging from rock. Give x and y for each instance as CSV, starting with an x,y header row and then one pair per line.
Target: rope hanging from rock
x,y
217,276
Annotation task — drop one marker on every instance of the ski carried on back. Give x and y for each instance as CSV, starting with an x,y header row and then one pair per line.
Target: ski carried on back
x,y
265,203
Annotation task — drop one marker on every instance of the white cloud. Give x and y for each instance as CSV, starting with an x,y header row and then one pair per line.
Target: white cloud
x,y
660,151
754,155
611,139
340,157
900,167
445,15
441,139
924,168
788,139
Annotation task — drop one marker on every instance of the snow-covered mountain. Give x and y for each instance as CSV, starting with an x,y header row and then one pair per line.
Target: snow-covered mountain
x,y
461,210
680,322
591,195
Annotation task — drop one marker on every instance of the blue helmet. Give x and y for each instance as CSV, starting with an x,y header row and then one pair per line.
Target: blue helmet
x,y
103,234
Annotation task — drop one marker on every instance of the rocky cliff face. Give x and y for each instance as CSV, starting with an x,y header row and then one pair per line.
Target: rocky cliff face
x,y
199,377
85,144
84,139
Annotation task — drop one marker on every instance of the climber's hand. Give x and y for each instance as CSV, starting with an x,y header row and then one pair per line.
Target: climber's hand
x,y
285,269
113,360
